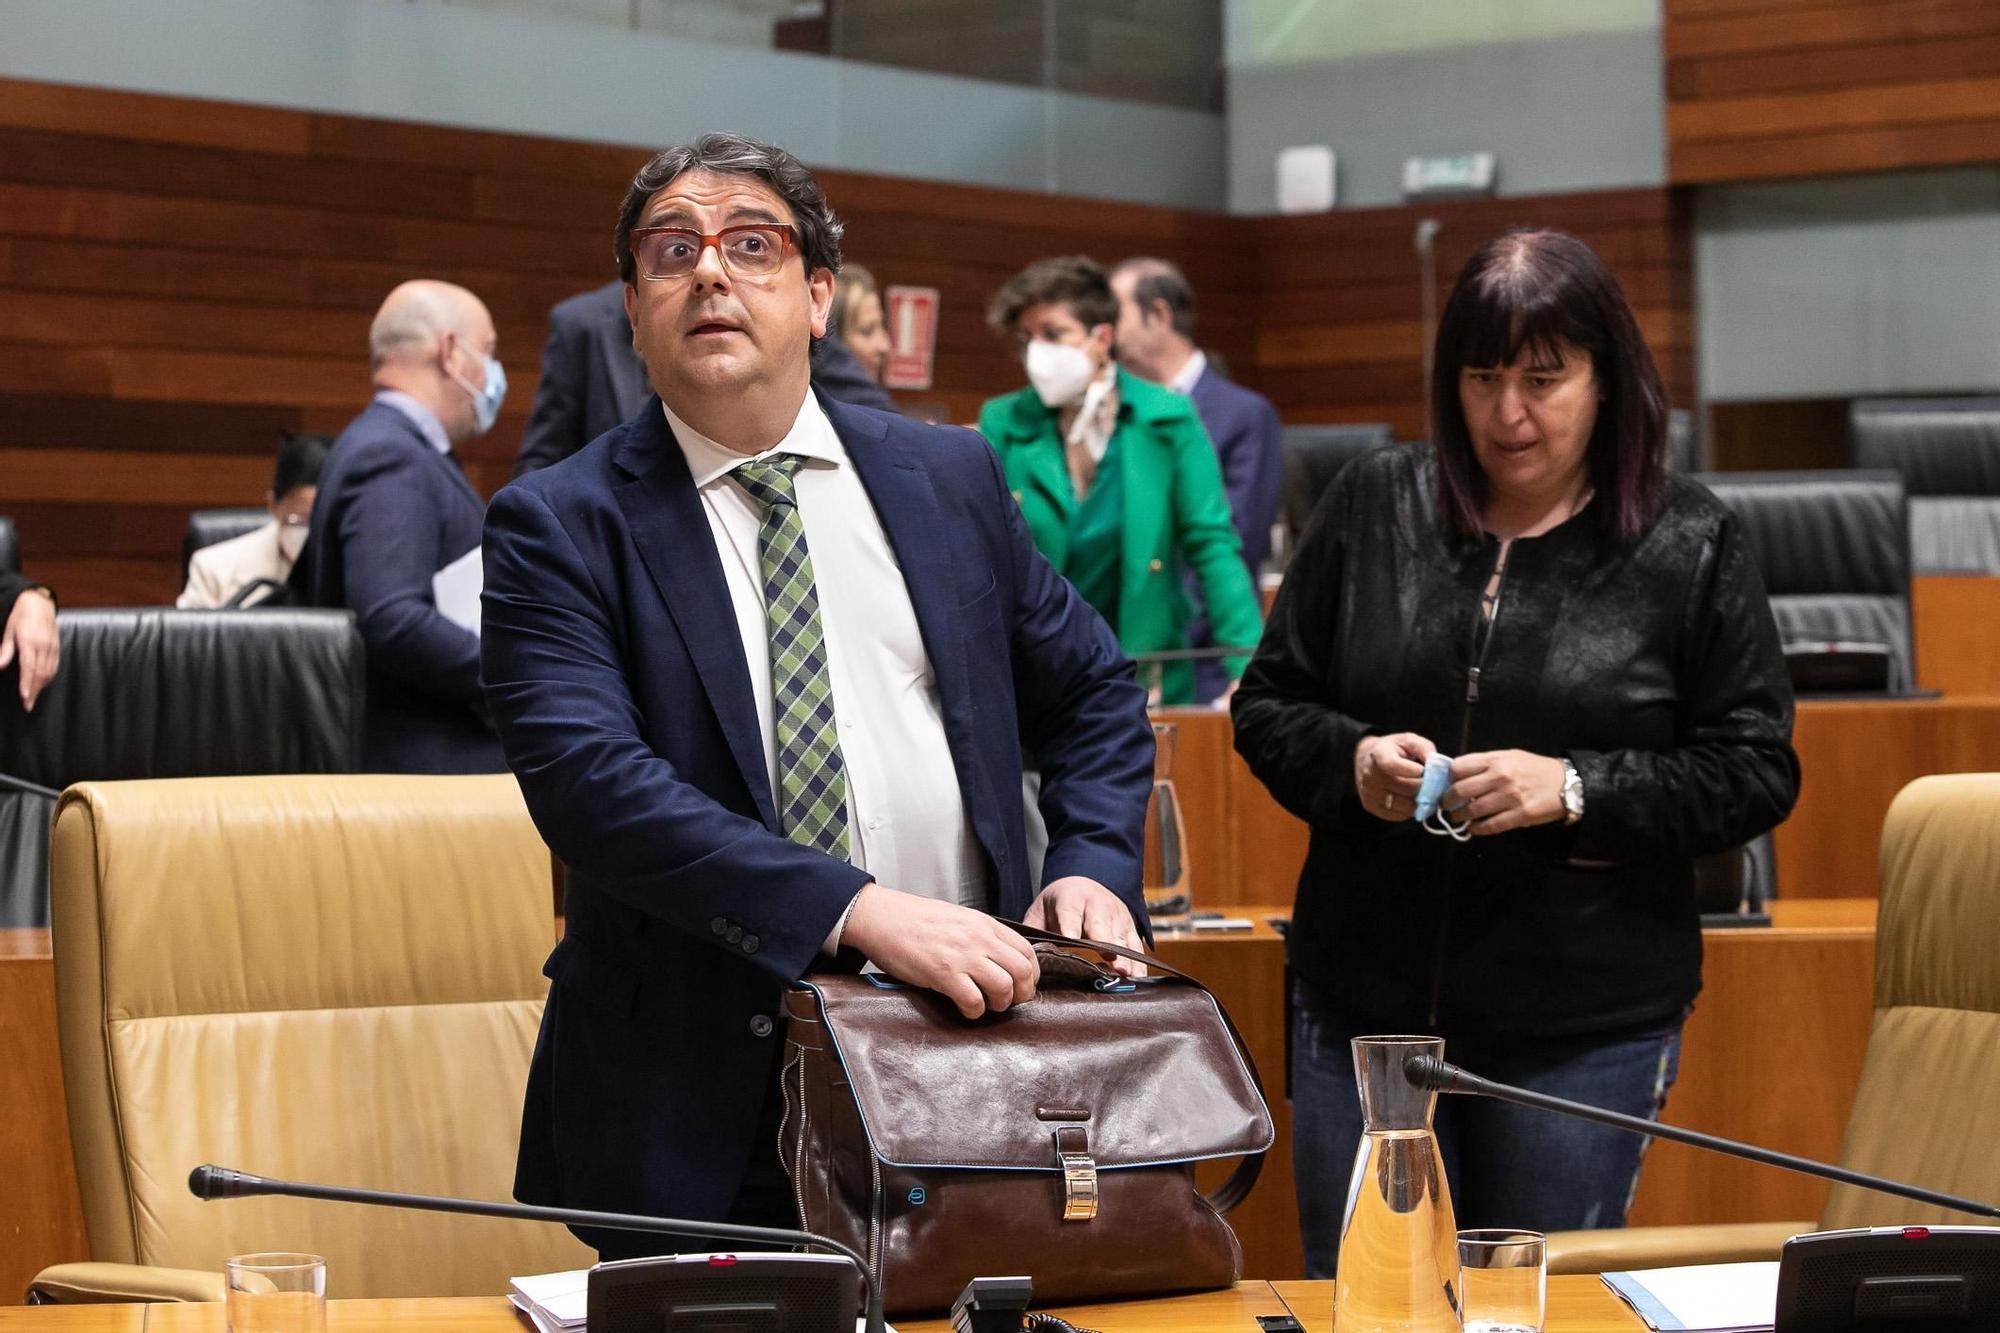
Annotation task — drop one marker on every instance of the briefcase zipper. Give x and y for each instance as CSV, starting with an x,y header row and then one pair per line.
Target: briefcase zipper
x,y
785,1078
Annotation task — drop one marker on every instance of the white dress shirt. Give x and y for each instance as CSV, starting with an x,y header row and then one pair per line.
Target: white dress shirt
x,y
1189,374
906,819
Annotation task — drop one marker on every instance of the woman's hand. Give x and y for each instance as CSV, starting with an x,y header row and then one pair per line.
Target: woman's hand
x,y
1498,790
1387,772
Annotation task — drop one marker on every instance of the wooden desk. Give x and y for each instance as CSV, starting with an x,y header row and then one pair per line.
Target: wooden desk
x,y
1854,754
1955,625
1576,1305
41,1219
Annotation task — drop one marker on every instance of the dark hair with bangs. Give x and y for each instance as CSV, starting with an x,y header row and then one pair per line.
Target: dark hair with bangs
x,y
1533,291
1075,281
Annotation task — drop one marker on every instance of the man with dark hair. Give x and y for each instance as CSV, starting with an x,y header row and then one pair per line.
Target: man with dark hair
x,y
28,635
1156,342
592,379
764,663
218,573
394,512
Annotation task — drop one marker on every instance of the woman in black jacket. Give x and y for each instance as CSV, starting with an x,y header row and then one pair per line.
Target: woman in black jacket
x,y
1588,639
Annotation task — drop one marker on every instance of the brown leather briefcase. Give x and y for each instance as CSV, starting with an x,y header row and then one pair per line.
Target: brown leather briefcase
x,y
1057,1139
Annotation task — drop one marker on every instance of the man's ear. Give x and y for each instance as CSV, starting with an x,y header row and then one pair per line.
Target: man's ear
x,y
819,288
632,311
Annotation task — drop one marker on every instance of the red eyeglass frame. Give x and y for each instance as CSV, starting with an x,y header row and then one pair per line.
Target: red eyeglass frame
x,y
787,242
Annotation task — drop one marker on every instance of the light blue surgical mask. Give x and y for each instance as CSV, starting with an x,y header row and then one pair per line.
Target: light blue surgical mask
x,y
1430,800
486,402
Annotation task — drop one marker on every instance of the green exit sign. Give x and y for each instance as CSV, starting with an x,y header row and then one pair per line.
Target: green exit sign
x,y
1460,173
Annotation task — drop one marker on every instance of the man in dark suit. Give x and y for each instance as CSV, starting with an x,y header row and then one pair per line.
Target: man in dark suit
x,y
764,664
1155,341
393,510
593,380
30,637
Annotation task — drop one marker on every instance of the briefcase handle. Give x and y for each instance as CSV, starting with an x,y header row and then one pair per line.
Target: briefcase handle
x,y
1237,1188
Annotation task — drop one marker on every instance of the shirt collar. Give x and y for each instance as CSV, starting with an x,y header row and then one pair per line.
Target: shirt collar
x,y
811,436
420,416
1190,374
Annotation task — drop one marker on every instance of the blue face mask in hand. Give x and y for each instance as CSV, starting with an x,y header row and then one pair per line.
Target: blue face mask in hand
x,y
1430,795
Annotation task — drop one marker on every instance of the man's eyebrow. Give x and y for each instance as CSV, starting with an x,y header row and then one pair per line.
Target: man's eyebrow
x,y
679,215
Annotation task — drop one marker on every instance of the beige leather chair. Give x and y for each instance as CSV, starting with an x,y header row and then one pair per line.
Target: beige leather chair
x,y
325,978
1928,1107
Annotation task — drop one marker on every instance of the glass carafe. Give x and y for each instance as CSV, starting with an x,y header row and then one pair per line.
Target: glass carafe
x,y
1168,885
1398,1242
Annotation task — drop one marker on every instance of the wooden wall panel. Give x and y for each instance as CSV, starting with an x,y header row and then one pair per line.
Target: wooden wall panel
x,y
1767,88
1339,334
182,280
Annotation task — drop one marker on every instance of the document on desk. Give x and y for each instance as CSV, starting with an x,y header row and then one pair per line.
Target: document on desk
x,y
455,589
1703,1298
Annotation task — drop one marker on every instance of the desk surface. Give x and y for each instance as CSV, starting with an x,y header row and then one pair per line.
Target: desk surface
x,y
1576,1305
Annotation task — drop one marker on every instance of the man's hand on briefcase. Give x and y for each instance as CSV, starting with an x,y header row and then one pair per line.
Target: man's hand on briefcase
x,y
966,956
1083,909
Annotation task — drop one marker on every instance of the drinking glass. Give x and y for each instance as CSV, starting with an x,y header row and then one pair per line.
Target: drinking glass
x,y
276,1293
1502,1280
1169,888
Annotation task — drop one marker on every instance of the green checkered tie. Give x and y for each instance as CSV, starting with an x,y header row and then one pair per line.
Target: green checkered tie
x,y
812,780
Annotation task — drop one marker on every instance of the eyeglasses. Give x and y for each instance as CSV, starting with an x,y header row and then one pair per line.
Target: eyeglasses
x,y
750,251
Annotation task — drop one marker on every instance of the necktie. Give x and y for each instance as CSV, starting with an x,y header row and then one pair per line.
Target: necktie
x,y
812,780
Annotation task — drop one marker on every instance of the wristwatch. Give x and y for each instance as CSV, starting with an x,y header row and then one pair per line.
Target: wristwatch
x,y
1572,793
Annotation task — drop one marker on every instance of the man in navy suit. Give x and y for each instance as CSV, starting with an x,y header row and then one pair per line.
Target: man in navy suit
x,y
1155,341
393,509
764,664
593,380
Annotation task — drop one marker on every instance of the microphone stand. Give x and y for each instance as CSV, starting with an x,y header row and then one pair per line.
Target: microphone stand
x,y
1435,1075
217,1182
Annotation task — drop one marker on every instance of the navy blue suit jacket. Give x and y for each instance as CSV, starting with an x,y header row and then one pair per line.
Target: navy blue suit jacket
x,y
1245,429
615,670
390,513
592,381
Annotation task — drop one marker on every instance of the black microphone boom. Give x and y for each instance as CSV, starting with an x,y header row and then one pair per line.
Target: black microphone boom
x,y
219,1182
1435,1075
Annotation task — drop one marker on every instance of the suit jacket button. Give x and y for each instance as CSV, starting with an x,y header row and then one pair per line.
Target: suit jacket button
x,y
749,944
760,1025
1156,565
733,934
717,925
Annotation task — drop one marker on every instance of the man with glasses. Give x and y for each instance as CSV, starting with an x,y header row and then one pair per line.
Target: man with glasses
x,y
764,664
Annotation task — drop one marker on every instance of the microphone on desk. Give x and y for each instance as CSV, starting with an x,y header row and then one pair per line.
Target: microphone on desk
x,y
1435,1075
219,1182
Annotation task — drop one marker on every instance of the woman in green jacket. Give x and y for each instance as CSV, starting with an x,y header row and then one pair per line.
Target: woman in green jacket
x,y
1115,476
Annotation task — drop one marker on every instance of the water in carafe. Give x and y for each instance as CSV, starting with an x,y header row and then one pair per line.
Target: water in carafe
x,y
1398,1244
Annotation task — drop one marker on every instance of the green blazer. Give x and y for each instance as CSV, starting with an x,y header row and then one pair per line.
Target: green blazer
x,y
1176,517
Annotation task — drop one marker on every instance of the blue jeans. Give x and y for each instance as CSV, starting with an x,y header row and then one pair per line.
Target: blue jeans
x,y
1508,1166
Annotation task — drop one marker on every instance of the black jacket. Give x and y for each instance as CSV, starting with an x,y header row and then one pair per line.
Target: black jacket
x,y
1655,668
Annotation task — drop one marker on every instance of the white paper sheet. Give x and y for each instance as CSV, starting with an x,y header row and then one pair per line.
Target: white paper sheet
x,y
1702,1298
456,589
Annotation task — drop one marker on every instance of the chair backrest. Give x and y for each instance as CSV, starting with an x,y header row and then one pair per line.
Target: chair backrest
x,y
1314,456
1834,551
1928,1106
206,527
159,693
1948,450
25,811
1684,446
10,547
332,978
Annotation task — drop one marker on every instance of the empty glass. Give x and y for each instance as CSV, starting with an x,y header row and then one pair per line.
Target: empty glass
x,y
276,1293
1502,1280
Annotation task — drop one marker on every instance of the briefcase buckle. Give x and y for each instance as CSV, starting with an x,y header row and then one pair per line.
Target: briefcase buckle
x,y
1079,1170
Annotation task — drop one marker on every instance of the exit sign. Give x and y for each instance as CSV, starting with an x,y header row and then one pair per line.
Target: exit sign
x,y
1462,173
